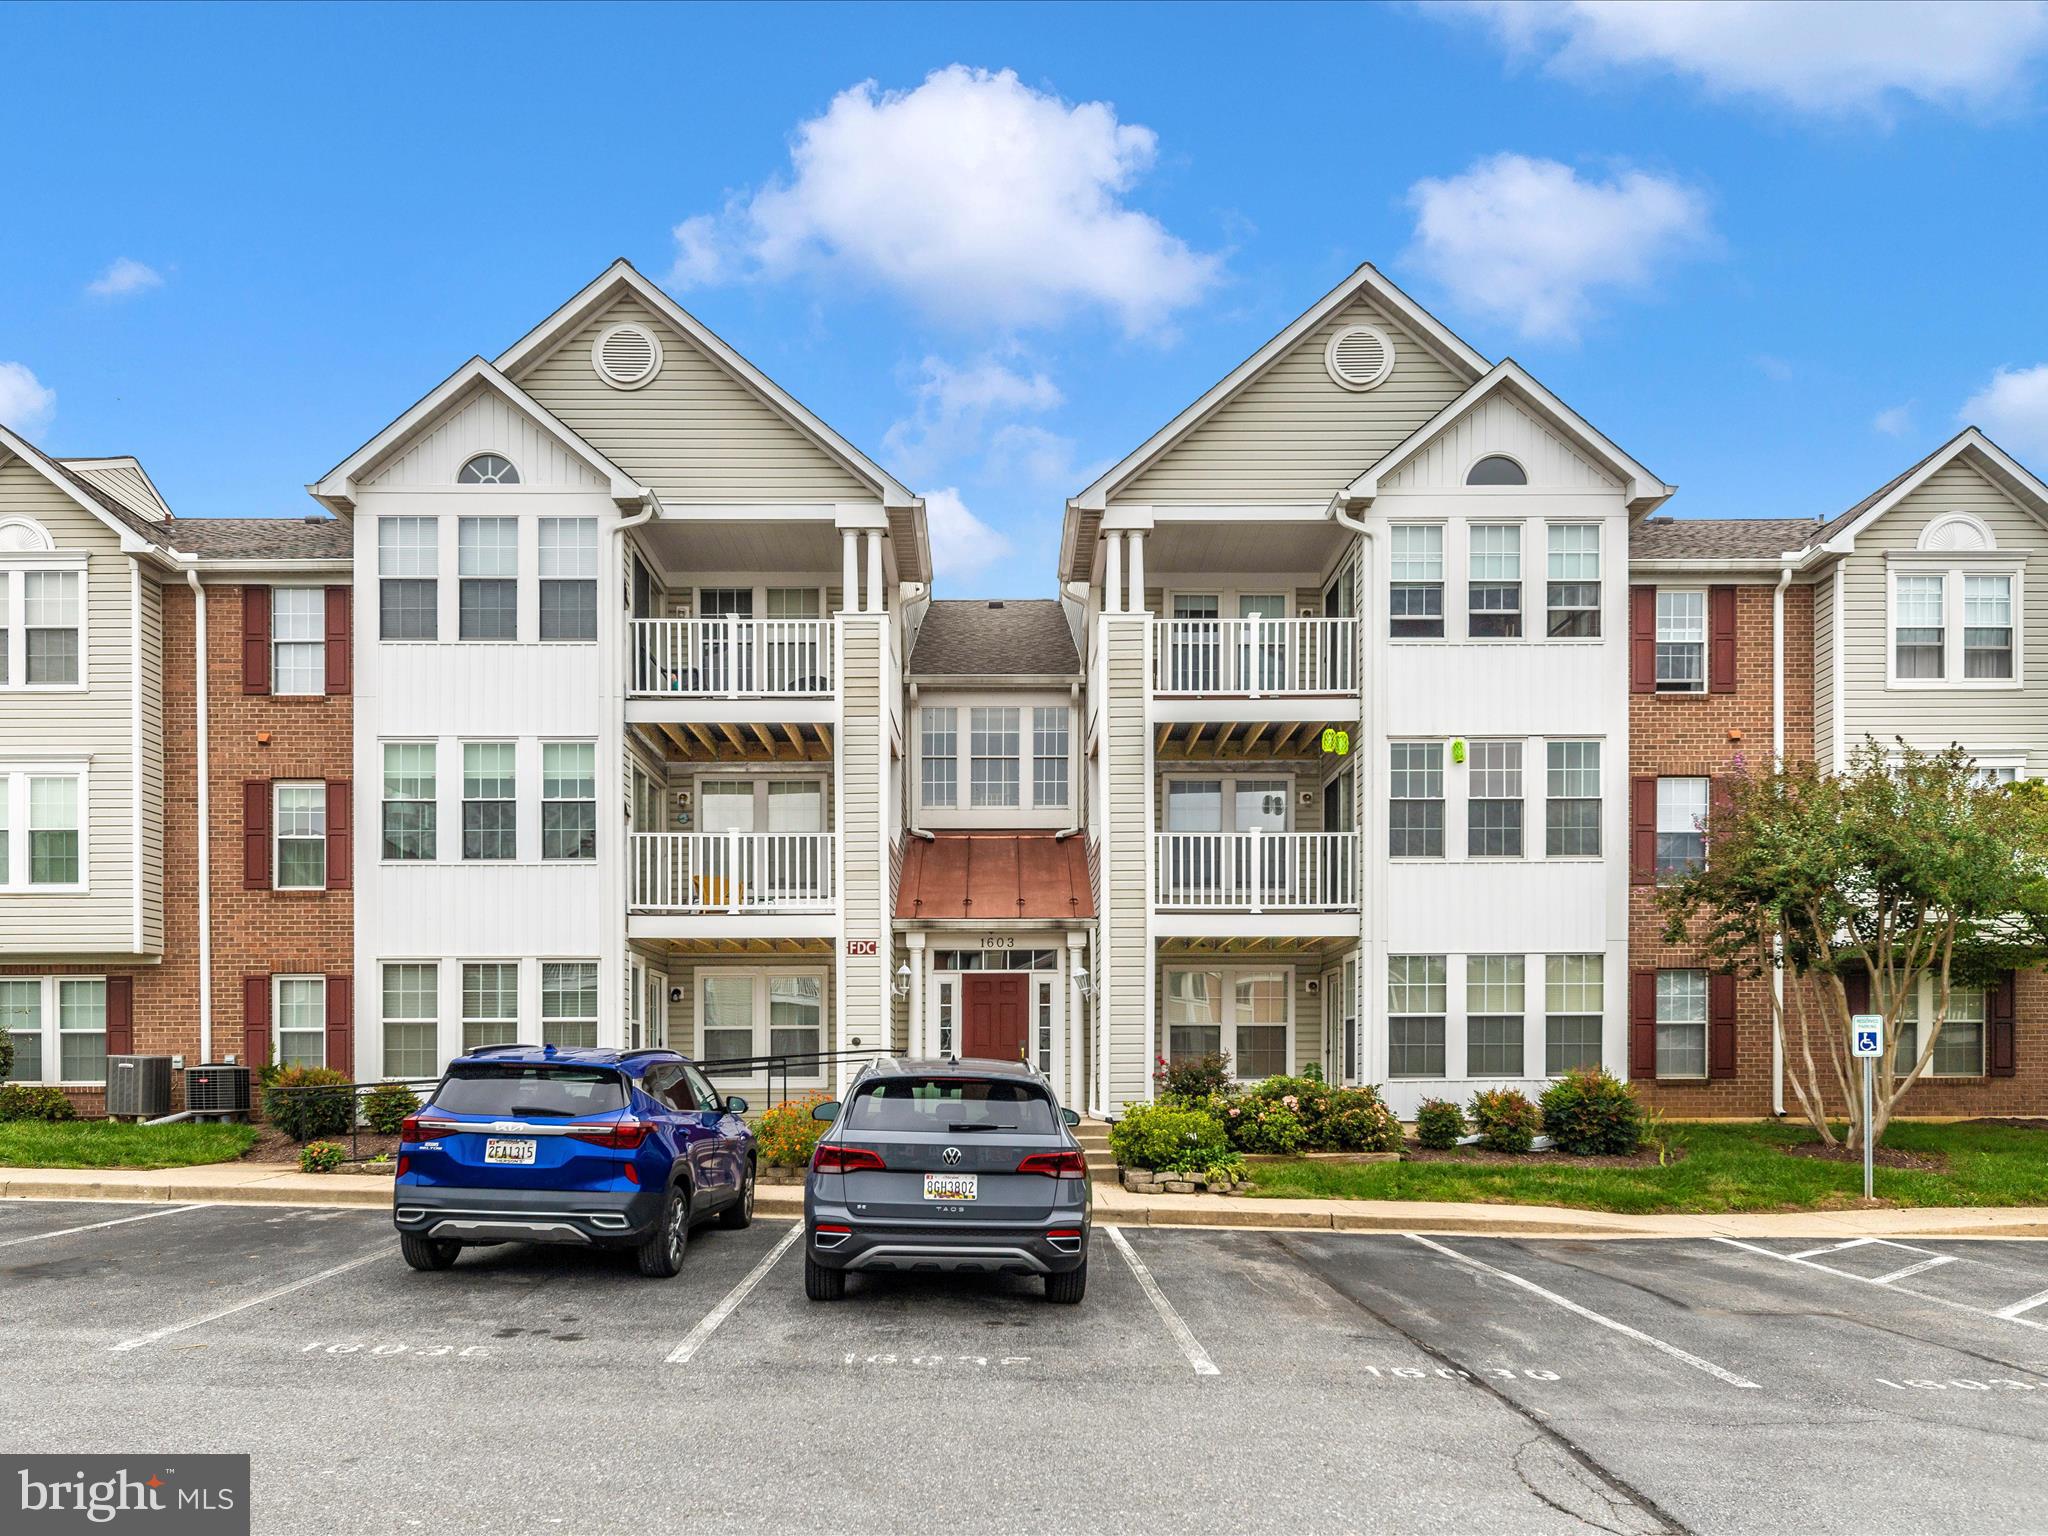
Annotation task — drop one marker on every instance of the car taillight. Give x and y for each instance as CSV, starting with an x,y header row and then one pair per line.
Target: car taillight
x,y
832,1228
409,1129
1056,1165
835,1159
624,1134
404,1164
1064,1232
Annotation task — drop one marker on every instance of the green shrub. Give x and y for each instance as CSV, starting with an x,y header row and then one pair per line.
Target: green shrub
x,y
1193,1079
787,1135
1438,1124
304,1116
1266,1125
386,1106
1173,1137
32,1101
1359,1121
322,1156
1588,1113
1504,1118
1332,1119
6,1055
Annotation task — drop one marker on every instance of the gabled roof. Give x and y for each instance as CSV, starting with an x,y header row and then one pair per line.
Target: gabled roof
x,y
622,277
122,477
979,637
1643,489
1367,280
1840,531
137,534
337,488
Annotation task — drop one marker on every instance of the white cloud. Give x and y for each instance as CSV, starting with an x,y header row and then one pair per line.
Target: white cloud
x,y
955,409
1817,56
1531,242
1034,456
1894,421
963,546
123,279
974,197
25,405
2013,410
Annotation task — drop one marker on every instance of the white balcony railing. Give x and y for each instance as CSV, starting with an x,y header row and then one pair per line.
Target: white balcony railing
x,y
1256,656
732,658
724,872
1256,871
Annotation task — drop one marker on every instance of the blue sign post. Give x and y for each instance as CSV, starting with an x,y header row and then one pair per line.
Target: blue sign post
x,y
1866,1043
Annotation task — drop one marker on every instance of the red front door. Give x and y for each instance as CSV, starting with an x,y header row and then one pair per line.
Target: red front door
x,y
996,1010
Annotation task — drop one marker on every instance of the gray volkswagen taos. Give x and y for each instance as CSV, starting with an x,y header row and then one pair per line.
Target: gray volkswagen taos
x,y
947,1165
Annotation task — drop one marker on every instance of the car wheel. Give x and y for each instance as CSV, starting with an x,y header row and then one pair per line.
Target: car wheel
x,y
427,1252
740,1213
1070,1287
822,1284
661,1255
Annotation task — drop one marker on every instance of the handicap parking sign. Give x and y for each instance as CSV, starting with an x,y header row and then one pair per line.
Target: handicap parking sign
x,y
1867,1034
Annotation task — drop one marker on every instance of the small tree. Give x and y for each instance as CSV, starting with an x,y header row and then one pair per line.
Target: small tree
x,y
1906,864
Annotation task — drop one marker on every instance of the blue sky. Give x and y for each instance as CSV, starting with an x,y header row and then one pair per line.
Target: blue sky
x,y
1776,252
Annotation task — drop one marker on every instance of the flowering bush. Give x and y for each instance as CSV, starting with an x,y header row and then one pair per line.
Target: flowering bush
x,y
1359,1121
787,1135
1331,1119
1438,1124
1192,1079
1268,1125
386,1106
322,1156
1588,1112
1504,1118
1174,1137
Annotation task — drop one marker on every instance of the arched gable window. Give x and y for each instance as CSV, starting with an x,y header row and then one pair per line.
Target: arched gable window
x,y
1496,469
488,469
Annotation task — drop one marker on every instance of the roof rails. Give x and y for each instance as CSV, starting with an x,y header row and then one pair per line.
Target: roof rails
x,y
500,1050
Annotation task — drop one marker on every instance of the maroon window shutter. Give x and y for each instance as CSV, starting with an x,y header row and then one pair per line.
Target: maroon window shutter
x,y
1721,639
120,1015
1642,639
255,639
338,636
256,834
341,1018
1642,1025
1720,804
1720,1026
1642,831
1856,986
2001,1016
255,1021
339,841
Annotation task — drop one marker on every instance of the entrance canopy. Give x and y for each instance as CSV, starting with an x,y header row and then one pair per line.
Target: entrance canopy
x,y
995,877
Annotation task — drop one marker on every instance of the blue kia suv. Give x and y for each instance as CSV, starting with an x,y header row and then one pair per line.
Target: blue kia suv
x,y
540,1144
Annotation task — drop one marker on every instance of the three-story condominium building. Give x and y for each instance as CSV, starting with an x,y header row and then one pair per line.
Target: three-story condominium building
x,y
630,732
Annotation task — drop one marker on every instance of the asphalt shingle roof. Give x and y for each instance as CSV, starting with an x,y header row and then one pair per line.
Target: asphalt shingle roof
x,y
259,538
1718,538
1000,637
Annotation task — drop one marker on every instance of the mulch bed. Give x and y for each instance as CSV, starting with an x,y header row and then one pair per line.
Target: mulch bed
x,y
2009,1120
273,1146
1645,1158
1884,1157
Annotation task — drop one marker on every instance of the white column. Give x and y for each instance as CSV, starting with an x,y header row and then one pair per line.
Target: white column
x,y
873,600
915,943
1137,602
1070,1090
849,576
1113,576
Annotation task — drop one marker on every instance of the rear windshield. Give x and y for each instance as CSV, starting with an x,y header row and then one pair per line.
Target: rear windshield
x,y
950,1106
510,1089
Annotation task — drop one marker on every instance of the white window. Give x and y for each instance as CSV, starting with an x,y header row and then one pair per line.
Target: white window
x,y
490,1003
1954,628
409,808
488,469
1681,641
1049,754
1681,1024
1245,1014
1571,817
796,1016
42,829
1416,600
490,800
1574,989
299,1019
1418,996
51,623
769,1012
568,578
1045,1027
408,565
59,1028
81,1030
298,640
1681,825
1987,627
1917,626
1495,989
1493,803
487,551
1573,589
1494,593
21,1015
946,991
993,756
1415,820
568,800
300,821
411,1011
1959,1048
726,1009
568,1002
940,752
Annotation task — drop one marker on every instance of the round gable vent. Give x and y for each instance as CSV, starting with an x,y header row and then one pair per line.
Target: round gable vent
x,y
626,356
1360,357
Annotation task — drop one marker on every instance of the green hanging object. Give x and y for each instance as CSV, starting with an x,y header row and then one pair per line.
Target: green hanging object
x,y
1457,749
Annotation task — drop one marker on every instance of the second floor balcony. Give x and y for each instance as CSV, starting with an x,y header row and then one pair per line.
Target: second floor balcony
x,y
1255,657
1256,871
732,658
730,874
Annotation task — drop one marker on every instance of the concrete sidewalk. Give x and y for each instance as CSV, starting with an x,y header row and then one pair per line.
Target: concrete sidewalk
x,y
273,1183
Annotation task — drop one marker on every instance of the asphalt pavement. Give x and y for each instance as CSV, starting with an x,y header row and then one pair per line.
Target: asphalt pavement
x,y
1212,1381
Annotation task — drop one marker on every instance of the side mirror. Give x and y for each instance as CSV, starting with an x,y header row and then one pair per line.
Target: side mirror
x,y
1070,1116
827,1111
735,1105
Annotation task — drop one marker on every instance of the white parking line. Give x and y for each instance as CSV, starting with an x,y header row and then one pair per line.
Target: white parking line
x,y
94,1226
2013,1311
1854,1242
254,1301
1591,1316
1183,1335
2010,1315
715,1318
1913,1269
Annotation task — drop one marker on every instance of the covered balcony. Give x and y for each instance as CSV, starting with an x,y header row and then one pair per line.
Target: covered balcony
x,y
733,658
1254,657
1256,871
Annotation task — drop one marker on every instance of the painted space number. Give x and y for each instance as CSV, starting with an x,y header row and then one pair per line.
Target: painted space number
x,y
1452,1373
386,1351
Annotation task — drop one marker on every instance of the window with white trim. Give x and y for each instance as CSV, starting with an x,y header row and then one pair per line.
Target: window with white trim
x,y
299,819
1681,640
50,628
1493,608
490,1003
1245,1014
1574,1002
1415,605
939,760
1571,812
993,755
487,469
21,1016
487,569
1495,989
299,1020
298,640
947,988
1417,1001
1987,626
408,568
58,1025
42,829
1956,628
1415,786
1918,629
1681,1024
568,578
1045,1026
1049,754
409,807
1493,800
770,1011
490,800
1572,592
568,800
1681,825
568,1002
1959,1048
411,1013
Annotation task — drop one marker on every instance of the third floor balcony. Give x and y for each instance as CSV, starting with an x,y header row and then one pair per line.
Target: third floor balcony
x,y
726,659
1255,657
1256,871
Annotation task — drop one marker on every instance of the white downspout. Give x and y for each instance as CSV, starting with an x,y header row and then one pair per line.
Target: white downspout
x,y
1778,761
1374,662
205,820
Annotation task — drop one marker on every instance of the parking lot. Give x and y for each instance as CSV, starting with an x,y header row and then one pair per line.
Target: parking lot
x,y
1210,1381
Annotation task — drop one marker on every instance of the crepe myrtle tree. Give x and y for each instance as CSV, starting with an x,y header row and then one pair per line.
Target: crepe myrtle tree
x,y
1904,865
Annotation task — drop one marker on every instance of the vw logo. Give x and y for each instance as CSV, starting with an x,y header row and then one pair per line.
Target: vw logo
x,y
951,1155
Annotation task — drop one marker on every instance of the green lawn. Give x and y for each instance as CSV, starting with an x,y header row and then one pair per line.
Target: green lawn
x,y
1726,1168
108,1144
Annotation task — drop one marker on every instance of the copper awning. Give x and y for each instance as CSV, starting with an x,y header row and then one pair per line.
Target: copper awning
x,y
995,877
